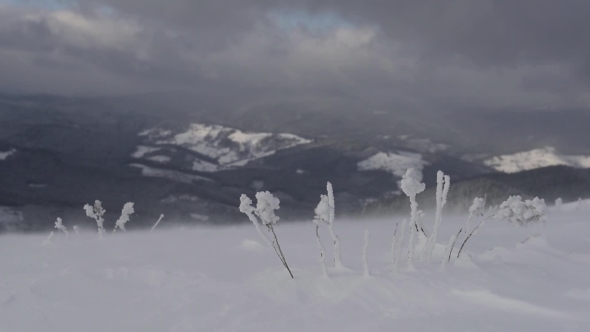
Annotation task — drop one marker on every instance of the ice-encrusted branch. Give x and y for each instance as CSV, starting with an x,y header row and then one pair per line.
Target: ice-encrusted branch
x,y
412,185
322,252
322,216
442,190
157,222
125,213
327,214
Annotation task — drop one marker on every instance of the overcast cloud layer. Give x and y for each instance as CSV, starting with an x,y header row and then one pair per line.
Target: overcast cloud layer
x,y
530,54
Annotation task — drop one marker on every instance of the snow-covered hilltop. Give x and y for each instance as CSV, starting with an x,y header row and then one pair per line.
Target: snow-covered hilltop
x,y
396,163
6,154
537,158
220,147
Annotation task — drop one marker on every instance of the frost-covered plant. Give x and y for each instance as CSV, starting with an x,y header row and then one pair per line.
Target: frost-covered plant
x,y
515,210
475,210
325,211
443,183
520,212
322,216
266,204
60,226
412,185
157,222
127,211
247,208
365,249
76,229
96,212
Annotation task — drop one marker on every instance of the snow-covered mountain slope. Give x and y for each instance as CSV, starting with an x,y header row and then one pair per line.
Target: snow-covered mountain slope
x,y
6,154
221,147
226,279
537,158
394,162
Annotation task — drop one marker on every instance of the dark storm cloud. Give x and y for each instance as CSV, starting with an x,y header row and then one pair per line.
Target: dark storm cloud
x,y
468,53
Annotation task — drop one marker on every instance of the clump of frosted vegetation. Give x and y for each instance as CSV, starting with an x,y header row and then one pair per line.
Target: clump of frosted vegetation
x,y
266,204
412,183
96,212
477,208
60,226
76,229
127,211
520,212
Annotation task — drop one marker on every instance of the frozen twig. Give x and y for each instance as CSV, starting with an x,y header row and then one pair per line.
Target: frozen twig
x,y
157,222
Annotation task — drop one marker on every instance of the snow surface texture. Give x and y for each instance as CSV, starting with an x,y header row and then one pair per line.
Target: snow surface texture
x,y
394,163
537,158
223,279
229,147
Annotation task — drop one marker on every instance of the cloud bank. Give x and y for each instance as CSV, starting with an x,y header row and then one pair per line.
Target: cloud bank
x,y
474,54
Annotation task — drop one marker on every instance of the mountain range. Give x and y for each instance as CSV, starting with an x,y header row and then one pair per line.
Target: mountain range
x,y
190,156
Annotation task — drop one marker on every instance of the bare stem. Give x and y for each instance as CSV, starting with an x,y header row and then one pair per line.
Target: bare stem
x,y
470,234
280,252
453,245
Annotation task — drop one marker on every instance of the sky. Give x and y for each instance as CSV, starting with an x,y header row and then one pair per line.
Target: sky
x,y
475,54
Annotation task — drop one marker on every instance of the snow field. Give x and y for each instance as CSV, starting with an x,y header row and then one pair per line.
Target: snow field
x,y
532,278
